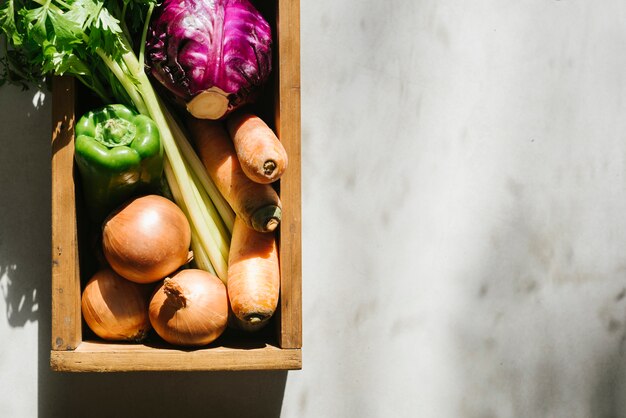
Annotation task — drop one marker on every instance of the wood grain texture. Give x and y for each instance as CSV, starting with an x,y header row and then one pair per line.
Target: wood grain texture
x,y
110,357
66,315
288,130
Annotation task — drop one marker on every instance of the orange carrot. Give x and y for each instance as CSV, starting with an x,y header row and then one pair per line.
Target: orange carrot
x,y
253,276
257,204
261,154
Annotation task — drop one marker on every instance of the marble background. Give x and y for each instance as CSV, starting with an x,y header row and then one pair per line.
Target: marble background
x,y
464,225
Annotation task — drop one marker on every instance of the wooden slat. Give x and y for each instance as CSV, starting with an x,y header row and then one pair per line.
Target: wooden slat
x,y
288,130
66,315
109,357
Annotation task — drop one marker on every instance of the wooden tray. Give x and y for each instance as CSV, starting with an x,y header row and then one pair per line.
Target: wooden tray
x,y
74,348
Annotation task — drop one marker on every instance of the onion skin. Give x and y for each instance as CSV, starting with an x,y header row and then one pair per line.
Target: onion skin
x,y
114,308
146,239
190,308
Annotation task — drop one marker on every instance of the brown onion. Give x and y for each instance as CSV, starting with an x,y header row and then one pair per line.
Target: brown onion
x,y
115,308
190,308
146,239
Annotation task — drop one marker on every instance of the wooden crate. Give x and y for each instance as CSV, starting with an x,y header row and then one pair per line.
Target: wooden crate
x,y
74,348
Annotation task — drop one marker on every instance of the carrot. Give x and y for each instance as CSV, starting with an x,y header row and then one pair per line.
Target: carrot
x,y
257,204
261,154
253,276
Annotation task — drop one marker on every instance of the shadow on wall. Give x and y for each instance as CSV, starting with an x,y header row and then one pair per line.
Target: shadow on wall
x,y
181,394
25,204
534,346
25,273
155,394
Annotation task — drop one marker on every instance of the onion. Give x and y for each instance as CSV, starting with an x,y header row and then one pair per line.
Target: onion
x,y
115,308
146,239
190,308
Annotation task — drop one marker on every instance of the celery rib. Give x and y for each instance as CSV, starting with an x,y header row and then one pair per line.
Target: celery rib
x,y
223,207
200,257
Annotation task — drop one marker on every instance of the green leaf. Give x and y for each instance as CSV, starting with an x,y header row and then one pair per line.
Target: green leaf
x,y
7,22
107,22
83,13
67,37
67,33
108,33
36,23
61,62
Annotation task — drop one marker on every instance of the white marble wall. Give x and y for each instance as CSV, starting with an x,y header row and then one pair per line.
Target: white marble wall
x,y
464,225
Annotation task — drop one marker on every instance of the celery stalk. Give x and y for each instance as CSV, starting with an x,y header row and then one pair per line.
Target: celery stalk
x,y
225,211
221,242
200,257
203,217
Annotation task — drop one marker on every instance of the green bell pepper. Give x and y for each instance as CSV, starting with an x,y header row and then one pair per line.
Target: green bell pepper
x,y
119,154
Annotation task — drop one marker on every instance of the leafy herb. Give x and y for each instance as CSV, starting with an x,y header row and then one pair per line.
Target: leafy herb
x,y
91,40
76,37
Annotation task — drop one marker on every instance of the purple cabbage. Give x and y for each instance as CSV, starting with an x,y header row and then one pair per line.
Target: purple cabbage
x,y
218,45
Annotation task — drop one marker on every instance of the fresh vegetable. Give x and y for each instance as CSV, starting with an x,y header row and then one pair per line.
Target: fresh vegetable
x,y
258,205
212,55
118,153
190,308
253,276
261,155
115,308
91,41
146,239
